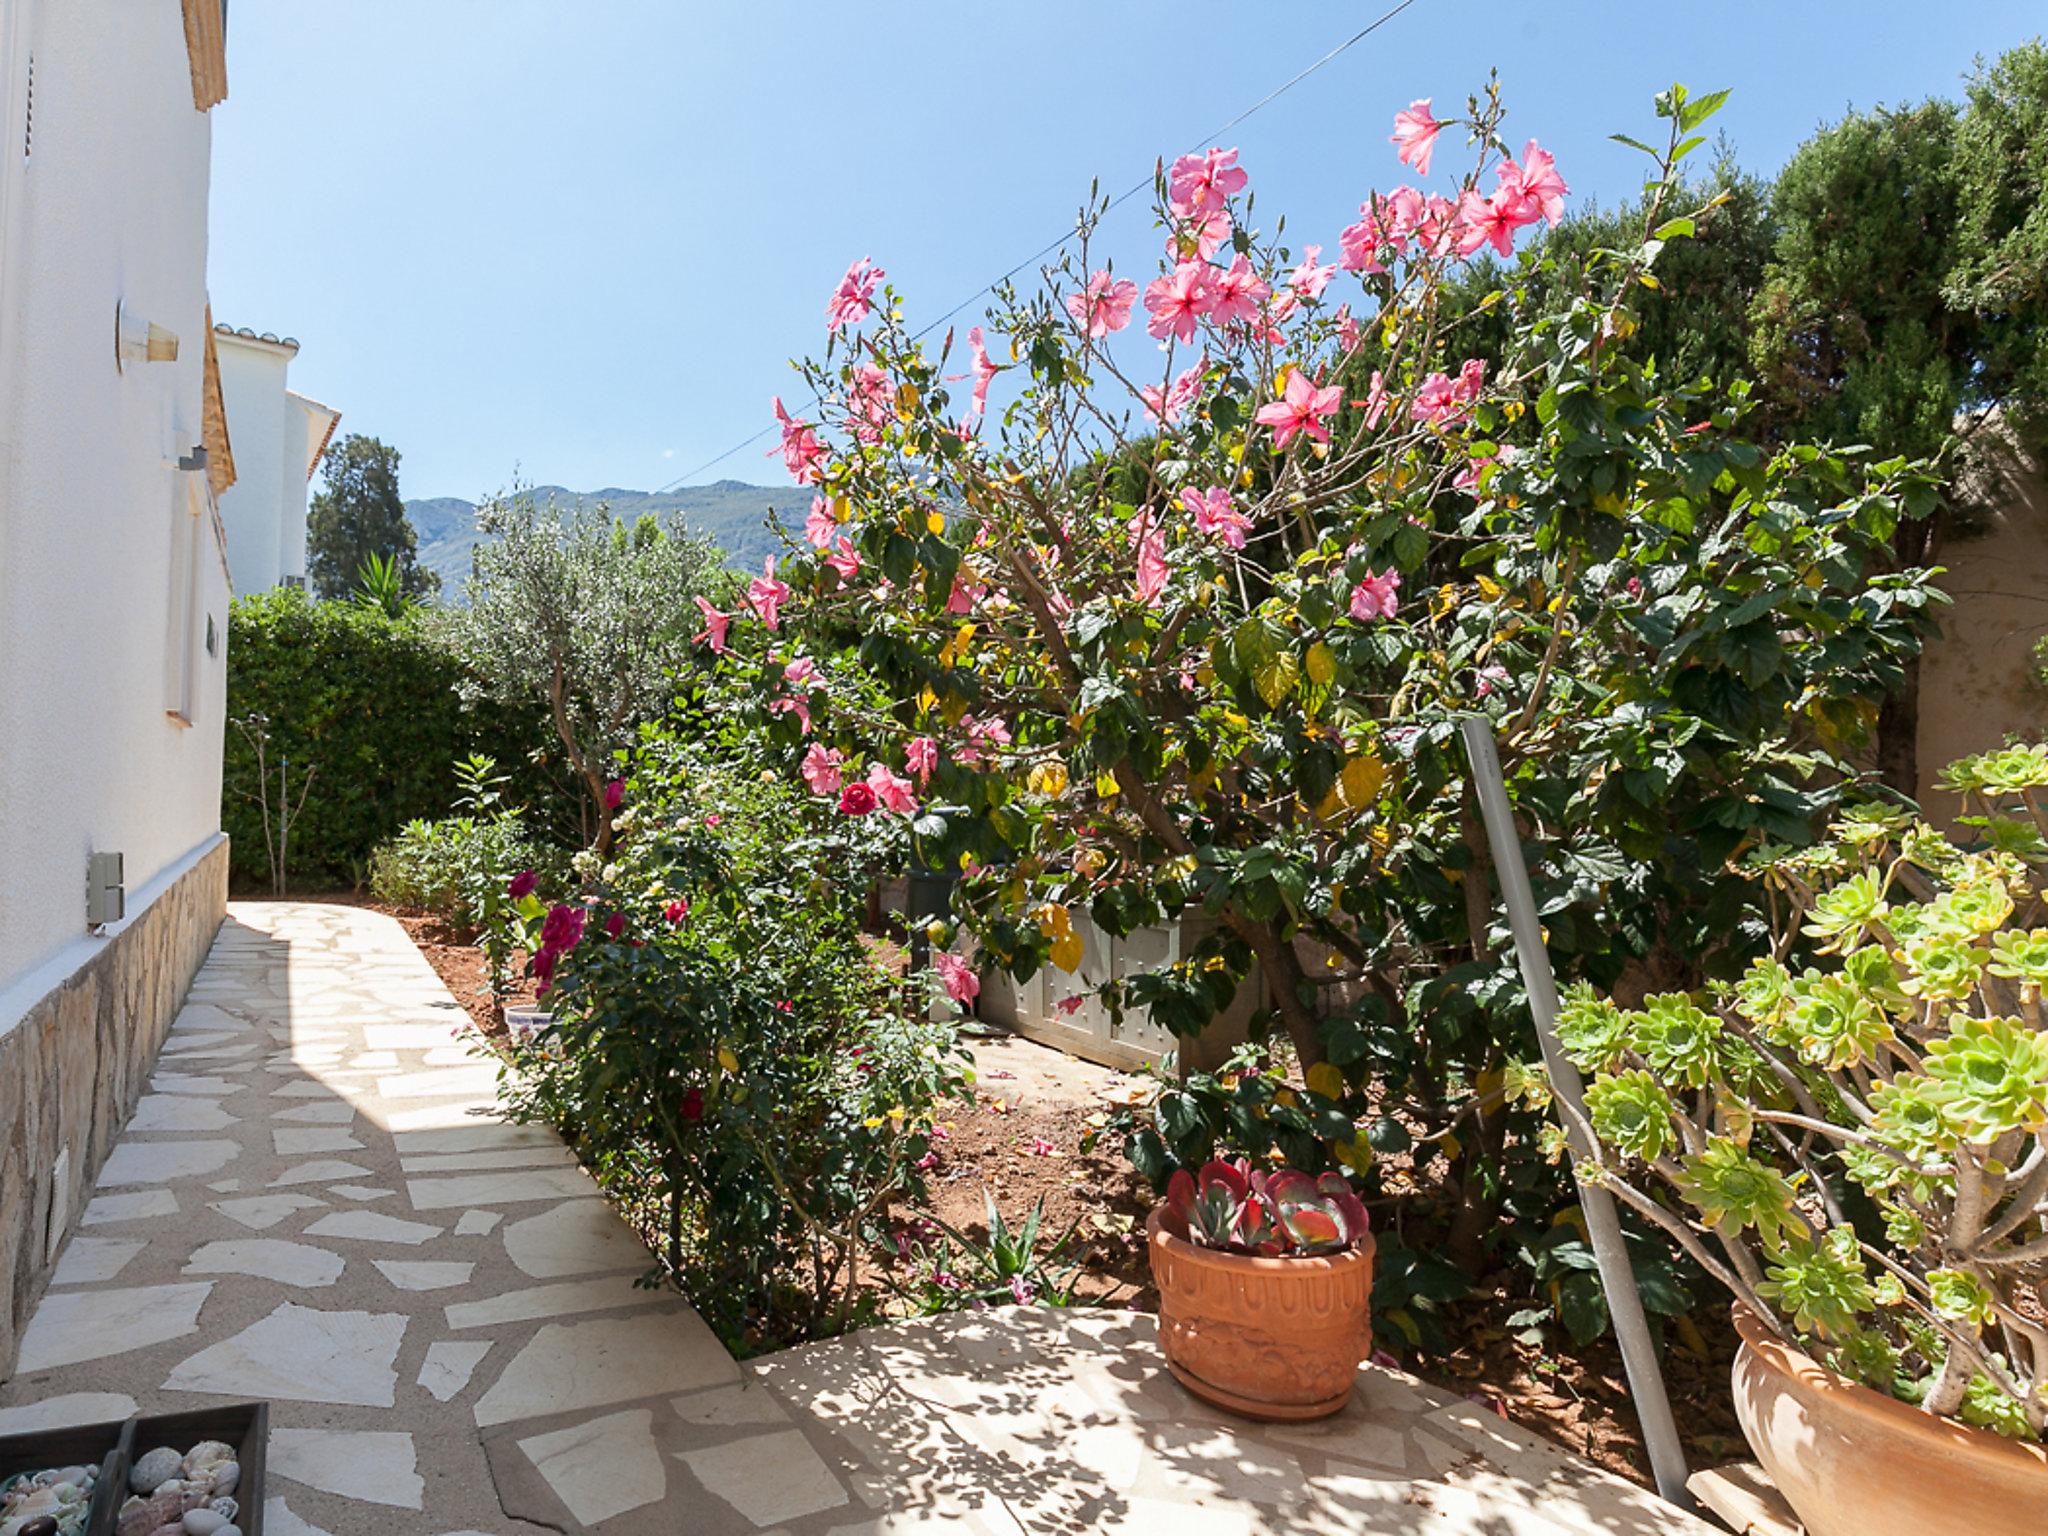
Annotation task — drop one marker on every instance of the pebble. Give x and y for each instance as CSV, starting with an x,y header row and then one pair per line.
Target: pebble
x,y
226,1475
153,1468
42,1525
203,1522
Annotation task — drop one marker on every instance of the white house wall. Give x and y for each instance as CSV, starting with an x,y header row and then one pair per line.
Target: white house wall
x,y
260,425
109,207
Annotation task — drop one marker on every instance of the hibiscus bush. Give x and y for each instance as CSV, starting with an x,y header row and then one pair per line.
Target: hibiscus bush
x,y
1854,1134
725,1054
1184,628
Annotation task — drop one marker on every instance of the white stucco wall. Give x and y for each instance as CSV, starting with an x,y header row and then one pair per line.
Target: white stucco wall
x,y
110,206
252,375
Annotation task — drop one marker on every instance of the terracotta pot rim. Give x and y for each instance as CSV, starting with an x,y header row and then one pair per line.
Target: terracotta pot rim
x,y
1163,1227
1901,1418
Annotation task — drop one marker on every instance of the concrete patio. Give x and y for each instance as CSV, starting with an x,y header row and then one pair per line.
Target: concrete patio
x,y
317,1203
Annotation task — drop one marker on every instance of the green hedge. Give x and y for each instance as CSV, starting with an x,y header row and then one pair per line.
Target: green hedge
x,y
369,702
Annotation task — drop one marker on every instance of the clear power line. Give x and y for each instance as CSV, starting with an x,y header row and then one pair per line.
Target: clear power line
x,y
1122,197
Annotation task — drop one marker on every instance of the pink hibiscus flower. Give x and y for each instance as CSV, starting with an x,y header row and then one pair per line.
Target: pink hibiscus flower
x,y
1489,221
1414,135
766,595
820,525
1374,597
892,791
822,769
1535,183
1152,567
844,559
1199,184
854,299
984,370
801,448
715,626
801,673
957,977
1238,294
1308,279
921,756
1215,513
1167,406
1178,299
1302,407
1105,305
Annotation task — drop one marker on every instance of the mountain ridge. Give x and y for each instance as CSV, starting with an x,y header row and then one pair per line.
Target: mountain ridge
x,y
733,514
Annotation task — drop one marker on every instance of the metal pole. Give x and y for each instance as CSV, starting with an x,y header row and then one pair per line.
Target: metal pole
x,y
1610,1250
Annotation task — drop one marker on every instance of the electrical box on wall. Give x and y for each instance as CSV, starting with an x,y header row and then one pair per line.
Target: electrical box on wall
x,y
106,891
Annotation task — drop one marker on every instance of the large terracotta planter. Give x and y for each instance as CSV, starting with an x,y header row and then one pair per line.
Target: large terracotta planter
x,y
1268,1338
1853,1462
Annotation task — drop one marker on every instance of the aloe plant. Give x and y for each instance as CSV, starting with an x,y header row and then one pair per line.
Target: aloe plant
x,y
1233,1207
1853,1136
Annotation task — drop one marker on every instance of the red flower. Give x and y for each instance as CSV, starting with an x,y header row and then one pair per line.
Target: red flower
x,y
615,925
857,799
675,912
543,967
614,792
522,885
693,1104
563,927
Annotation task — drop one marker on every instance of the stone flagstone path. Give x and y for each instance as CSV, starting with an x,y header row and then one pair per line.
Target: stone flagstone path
x,y
317,1203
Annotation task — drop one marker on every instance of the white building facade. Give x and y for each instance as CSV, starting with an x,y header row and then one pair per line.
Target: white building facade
x,y
278,438
113,581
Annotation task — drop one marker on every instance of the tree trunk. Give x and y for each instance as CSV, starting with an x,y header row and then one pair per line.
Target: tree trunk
x,y
1898,734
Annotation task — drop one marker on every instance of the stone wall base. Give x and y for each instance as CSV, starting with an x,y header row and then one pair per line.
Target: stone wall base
x,y
72,1070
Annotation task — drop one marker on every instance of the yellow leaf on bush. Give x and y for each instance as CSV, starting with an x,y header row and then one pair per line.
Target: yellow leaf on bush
x,y
935,521
1327,1079
1048,778
1322,664
1490,588
1066,951
727,1060
1361,780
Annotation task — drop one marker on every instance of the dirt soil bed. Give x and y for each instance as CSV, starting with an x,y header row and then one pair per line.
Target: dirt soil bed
x,y
1022,1138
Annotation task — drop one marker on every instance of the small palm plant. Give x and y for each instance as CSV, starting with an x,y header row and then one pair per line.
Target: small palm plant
x,y
1854,1135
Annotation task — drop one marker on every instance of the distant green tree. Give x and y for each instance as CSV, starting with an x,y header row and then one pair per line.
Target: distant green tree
x,y
1699,325
358,515
1906,304
584,616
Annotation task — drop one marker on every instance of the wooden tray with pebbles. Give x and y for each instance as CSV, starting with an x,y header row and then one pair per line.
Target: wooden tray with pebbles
x,y
175,1474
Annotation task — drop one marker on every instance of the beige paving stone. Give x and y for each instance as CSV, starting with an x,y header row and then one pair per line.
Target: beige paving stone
x,y
601,1468
441,1083
319,1171
261,1212
65,1410
174,1112
269,1258
373,1465
360,1193
768,1478
303,1354
280,1520
373,1227
499,1188
465,1162
596,1364
450,1363
91,1260
102,1209
165,1162
475,1136
477,1223
71,1327
338,1112
288,1141
577,1237
425,1274
560,1300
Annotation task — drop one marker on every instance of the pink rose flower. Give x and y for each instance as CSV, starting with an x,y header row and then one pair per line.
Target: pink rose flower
x,y
522,885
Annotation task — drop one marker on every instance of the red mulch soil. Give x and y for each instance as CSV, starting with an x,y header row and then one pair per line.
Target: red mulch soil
x,y
1024,1142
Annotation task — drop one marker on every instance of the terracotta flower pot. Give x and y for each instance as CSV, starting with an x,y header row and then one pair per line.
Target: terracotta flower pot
x,y
1268,1338
1854,1462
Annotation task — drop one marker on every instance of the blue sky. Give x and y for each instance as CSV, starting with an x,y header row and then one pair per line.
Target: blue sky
x,y
581,242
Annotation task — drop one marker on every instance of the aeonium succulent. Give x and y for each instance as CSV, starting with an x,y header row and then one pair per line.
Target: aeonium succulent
x,y
1236,1208
1854,1136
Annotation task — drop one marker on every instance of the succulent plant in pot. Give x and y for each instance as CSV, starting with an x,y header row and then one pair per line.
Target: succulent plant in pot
x,y
1265,1285
1853,1136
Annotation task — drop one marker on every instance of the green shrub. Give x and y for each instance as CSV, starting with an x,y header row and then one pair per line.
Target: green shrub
x,y
445,866
729,1059
370,704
